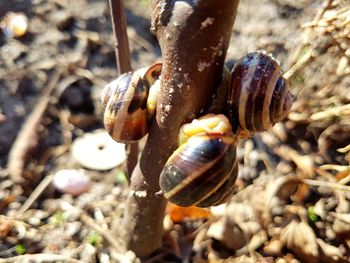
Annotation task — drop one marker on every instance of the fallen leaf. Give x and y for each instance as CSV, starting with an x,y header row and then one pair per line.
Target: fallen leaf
x,y
178,213
257,240
284,190
330,251
273,247
304,162
6,227
229,233
301,239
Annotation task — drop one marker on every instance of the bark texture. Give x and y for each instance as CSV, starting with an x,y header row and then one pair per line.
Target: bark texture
x,y
194,37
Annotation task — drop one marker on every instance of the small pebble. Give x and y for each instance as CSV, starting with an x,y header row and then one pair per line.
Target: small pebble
x,y
14,24
73,182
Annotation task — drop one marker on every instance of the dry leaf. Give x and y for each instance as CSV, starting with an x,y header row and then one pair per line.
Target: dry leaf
x,y
338,168
178,213
254,258
250,228
344,176
341,223
241,212
330,251
257,240
343,217
344,150
287,259
304,162
6,227
219,210
273,248
319,208
301,239
284,190
227,232
280,130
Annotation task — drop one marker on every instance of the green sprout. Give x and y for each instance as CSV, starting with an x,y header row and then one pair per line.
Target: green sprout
x,y
20,249
94,239
58,218
312,215
121,178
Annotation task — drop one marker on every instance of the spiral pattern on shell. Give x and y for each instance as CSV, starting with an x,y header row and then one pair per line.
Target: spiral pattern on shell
x,y
258,95
125,101
203,170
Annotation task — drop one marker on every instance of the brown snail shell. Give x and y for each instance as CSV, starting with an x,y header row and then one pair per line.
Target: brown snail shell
x,y
203,170
126,114
258,95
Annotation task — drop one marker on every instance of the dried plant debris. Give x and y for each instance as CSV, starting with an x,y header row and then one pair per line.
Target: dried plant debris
x,y
292,200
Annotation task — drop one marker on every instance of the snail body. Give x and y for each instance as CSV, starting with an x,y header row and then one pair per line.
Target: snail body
x,y
203,170
208,123
258,95
128,104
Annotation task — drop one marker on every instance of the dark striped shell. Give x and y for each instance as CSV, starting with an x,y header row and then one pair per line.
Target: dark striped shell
x,y
126,117
258,94
202,171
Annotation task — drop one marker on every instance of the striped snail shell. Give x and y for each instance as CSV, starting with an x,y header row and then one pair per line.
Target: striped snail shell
x,y
203,170
129,103
258,95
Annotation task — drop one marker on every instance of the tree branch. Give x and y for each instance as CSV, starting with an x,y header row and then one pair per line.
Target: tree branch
x,y
194,37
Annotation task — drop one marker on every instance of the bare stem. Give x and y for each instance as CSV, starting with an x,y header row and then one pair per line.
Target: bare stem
x,y
194,37
122,52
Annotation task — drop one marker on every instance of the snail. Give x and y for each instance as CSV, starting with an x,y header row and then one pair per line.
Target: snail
x,y
258,95
203,170
129,103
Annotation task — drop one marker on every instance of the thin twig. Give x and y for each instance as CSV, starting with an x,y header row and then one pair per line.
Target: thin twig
x,y
308,55
27,138
122,52
327,184
331,113
299,64
321,12
105,233
40,258
35,195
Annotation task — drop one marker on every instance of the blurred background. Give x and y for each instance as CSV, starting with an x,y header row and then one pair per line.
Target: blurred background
x,y
61,177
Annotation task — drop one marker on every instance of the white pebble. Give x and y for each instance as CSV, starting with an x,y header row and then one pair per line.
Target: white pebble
x,y
73,182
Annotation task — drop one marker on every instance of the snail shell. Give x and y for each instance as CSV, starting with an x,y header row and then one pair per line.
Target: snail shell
x,y
128,106
203,170
258,94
